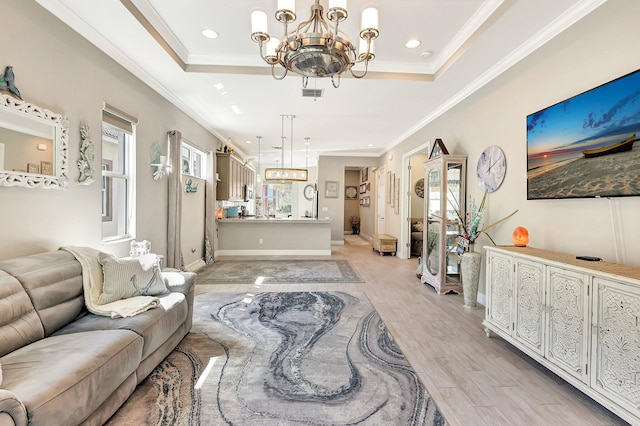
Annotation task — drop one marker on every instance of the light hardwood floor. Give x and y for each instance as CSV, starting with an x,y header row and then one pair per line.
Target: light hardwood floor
x,y
474,380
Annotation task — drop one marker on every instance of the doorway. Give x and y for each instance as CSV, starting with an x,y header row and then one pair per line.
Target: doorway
x,y
412,208
380,200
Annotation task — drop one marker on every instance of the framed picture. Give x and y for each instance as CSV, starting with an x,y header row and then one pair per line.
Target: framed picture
x,y
350,193
365,174
388,187
438,149
46,168
33,168
397,196
392,189
362,201
331,189
366,201
363,188
368,186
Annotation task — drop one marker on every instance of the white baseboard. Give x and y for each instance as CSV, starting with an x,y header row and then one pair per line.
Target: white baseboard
x,y
337,242
482,299
272,253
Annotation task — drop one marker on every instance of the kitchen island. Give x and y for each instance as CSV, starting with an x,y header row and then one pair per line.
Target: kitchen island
x,y
273,237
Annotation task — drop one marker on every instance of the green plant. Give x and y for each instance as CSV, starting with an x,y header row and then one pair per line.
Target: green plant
x,y
472,222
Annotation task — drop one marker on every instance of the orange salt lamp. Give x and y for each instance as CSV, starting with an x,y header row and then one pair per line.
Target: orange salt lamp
x,y
520,236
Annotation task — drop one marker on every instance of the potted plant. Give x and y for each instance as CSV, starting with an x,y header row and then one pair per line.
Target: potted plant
x,y
470,260
355,225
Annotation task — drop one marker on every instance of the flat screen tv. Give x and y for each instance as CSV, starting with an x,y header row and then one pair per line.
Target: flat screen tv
x,y
587,145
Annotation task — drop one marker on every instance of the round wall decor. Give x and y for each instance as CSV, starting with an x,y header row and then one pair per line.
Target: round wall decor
x,y
420,188
492,166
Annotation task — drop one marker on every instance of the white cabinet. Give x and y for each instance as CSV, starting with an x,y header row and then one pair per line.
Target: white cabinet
x,y
499,307
579,319
616,343
529,321
568,321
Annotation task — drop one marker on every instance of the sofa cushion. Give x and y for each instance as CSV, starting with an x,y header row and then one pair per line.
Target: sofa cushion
x,y
64,378
19,322
155,325
130,276
53,281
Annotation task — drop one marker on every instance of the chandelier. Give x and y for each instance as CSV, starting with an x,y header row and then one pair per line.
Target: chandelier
x,y
283,174
314,48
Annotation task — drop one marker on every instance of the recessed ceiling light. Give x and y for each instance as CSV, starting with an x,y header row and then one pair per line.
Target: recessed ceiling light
x,y
236,109
224,92
219,86
249,142
426,54
208,33
412,44
370,144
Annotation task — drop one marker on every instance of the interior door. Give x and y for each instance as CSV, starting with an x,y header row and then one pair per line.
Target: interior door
x,y
380,205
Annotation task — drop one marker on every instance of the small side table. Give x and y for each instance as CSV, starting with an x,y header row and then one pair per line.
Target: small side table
x,y
383,243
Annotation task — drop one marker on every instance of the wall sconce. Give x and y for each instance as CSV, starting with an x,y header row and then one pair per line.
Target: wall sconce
x,y
42,147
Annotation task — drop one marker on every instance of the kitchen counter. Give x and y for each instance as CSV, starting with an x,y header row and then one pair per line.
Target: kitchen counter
x,y
251,236
274,220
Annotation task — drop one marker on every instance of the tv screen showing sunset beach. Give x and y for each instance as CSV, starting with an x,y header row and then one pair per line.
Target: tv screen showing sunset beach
x,y
587,145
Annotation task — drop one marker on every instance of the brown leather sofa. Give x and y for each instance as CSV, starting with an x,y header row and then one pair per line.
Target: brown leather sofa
x,y
62,365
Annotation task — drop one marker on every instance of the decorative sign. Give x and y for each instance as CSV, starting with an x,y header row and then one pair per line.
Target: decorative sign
x,y
190,186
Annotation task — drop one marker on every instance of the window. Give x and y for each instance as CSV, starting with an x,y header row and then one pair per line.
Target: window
x,y
193,161
118,175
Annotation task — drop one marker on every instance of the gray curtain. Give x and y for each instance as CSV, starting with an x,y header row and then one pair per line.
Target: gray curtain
x,y
174,227
209,209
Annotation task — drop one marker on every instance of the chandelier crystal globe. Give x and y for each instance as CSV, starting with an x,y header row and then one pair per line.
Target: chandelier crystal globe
x,y
314,48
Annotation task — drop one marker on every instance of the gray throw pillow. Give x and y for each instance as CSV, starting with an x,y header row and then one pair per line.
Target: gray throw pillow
x,y
130,276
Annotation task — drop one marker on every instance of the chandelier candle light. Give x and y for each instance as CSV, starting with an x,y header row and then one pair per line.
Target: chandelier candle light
x,y
314,48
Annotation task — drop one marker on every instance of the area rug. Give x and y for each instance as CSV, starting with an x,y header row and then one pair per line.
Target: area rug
x,y
298,358
279,272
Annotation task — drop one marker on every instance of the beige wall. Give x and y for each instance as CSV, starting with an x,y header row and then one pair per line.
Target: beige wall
x,y
57,69
417,172
193,224
600,48
332,169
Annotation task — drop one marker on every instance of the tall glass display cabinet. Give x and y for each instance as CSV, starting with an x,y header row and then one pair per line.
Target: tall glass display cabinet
x,y
445,205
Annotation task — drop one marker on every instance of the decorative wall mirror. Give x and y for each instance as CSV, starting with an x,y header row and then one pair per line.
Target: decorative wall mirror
x,y
33,145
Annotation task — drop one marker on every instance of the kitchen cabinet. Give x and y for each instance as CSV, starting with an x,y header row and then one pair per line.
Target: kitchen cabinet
x,y
233,178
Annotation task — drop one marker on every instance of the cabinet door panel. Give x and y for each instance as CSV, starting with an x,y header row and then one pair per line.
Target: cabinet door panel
x,y
500,291
616,342
529,305
568,323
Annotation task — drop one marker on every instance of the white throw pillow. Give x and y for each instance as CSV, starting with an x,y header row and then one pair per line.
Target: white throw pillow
x,y
130,276
0,374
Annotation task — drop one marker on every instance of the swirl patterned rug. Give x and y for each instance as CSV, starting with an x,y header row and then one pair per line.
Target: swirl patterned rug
x,y
291,358
279,272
